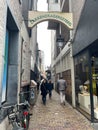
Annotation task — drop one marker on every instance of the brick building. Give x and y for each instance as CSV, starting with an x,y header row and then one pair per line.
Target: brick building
x,y
15,53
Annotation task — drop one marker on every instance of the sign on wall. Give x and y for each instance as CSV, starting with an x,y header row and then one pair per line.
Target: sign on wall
x,y
36,17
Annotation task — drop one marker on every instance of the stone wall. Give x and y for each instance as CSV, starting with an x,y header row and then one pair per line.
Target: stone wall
x,y
14,7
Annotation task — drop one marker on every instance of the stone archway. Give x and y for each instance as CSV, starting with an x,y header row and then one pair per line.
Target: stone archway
x,y
36,17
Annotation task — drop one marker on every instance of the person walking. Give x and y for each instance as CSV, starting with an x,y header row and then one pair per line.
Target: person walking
x,y
50,88
62,85
44,91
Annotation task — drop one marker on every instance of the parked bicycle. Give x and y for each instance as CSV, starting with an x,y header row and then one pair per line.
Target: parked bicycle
x,y
25,114
18,115
25,108
13,117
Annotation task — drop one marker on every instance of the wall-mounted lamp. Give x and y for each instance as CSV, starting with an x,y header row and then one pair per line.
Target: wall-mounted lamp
x,y
60,41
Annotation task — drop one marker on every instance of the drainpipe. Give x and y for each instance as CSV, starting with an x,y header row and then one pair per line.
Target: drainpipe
x,y
72,78
72,62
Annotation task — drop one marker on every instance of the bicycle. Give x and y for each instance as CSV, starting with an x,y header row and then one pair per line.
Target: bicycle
x,y
12,117
24,109
25,114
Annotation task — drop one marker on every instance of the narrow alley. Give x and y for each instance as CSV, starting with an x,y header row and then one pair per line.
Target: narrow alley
x,y
54,116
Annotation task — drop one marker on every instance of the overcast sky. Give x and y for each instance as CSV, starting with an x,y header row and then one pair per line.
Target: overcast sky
x,y
44,34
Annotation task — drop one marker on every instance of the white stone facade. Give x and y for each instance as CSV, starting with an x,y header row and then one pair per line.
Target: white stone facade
x,y
64,61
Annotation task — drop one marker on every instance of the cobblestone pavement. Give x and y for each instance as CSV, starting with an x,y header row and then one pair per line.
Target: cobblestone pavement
x,y
54,116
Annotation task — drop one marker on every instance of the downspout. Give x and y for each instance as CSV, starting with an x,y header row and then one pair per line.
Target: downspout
x,y
72,61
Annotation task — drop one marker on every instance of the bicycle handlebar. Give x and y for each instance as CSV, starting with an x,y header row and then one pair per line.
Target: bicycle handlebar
x,y
24,103
10,106
15,105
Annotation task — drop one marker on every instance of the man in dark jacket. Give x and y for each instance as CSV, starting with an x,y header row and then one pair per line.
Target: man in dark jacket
x,y
44,91
62,85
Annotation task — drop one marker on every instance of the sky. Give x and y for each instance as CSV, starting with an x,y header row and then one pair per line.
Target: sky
x,y
44,35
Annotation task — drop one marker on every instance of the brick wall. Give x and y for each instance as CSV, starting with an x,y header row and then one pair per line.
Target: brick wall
x,y
15,9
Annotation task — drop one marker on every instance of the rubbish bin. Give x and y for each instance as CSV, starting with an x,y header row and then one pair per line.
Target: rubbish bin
x,y
33,92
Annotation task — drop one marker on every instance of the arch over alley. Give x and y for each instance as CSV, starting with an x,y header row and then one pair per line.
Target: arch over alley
x,y
61,20
35,17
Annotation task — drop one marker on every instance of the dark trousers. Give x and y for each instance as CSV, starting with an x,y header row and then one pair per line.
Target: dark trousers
x,y
50,94
44,99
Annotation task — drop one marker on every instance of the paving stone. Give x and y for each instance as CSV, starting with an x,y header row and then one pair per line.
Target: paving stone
x,y
53,116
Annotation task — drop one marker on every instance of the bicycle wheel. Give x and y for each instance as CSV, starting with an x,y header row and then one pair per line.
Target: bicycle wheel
x,y
26,119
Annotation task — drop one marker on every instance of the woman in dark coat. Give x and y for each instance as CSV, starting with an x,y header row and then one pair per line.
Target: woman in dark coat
x,y
44,91
50,88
